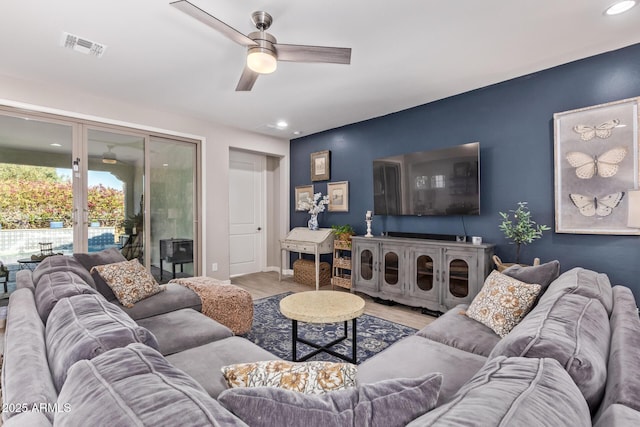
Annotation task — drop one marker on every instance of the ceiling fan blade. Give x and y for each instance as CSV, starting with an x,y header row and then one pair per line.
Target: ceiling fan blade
x,y
301,53
247,79
202,16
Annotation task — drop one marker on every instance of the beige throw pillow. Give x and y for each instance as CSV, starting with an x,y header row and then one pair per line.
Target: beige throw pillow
x,y
304,377
502,302
129,280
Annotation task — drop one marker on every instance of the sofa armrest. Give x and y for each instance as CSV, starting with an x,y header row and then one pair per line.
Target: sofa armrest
x,y
26,378
24,279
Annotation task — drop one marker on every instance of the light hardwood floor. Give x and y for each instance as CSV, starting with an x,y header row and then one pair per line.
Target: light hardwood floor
x,y
266,284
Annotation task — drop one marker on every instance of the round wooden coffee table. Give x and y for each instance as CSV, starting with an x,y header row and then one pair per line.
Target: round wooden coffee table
x,y
322,307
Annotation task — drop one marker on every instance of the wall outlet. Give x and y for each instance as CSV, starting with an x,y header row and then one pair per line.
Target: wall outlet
x,y
214,266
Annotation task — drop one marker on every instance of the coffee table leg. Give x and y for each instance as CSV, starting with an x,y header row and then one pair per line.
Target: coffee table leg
x,y
294,333
355,347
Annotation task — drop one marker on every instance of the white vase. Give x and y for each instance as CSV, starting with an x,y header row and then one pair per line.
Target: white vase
x,y
313,222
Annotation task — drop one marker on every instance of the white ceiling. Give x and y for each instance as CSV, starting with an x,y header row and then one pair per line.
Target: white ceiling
x,y
405,53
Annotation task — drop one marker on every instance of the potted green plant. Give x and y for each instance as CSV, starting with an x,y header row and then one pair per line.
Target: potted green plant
x,y
127,225
343,232
522,229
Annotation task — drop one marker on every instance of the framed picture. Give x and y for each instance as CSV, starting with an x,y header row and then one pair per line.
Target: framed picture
x,y
304,194
596,164
320,167
338,196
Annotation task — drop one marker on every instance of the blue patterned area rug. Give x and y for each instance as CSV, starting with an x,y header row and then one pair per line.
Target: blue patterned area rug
x,y
272,331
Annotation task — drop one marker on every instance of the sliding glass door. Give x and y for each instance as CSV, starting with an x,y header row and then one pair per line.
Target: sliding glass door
x,y
38,213
70,186
115,192
173,205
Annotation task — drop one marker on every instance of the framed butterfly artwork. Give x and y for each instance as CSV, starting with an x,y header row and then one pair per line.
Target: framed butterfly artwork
x,y
596,165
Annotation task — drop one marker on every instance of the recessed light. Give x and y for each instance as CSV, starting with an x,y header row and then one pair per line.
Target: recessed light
x,y
165,165
297,132
282,124
620,7
55,144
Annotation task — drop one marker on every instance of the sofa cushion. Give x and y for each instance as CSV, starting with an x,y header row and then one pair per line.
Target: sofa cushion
x,y
583,282
514,392
129,281
26,379
623,371
455,329
415,356
90,260
174,297
542,274
61,263
84,326
502,302
30,419
618,416
572,329
205,363
135,385
387,403
315,377
183,329
57,285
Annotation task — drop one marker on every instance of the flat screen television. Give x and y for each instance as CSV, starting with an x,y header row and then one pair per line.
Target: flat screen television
x,y
434,182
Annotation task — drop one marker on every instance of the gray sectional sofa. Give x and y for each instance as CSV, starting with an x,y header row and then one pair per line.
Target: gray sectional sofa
x,y
65,340
580,324
72,357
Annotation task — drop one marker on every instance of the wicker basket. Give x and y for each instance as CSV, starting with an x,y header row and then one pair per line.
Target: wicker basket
x,y
501,266
342,263
343,281
304,272
342,244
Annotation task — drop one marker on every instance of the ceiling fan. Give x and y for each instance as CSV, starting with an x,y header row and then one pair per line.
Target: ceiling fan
x,y
263,51
109,157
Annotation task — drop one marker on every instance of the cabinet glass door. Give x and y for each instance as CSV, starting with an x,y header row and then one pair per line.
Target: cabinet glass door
x,y
424,273
461,276
458,278
366,264
365,255
392,269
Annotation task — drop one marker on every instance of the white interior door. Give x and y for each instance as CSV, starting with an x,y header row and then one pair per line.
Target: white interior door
x,y
247,209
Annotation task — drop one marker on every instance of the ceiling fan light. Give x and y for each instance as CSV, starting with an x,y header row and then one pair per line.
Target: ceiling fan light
x,y
620,7
109,158
261,60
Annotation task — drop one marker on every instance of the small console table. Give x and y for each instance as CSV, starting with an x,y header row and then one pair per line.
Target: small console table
x,y
305,241
176,251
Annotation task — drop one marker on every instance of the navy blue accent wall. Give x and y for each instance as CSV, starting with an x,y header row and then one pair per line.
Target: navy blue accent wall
x,y
513,121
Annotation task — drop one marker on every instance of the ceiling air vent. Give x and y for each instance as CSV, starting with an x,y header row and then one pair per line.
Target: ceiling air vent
x,y
82,45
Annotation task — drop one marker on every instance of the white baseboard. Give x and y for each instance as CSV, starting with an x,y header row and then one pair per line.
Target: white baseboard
x,y
285,271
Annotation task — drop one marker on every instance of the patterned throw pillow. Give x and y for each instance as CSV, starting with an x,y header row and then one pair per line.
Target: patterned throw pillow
x,y
502,302
129,280
304,377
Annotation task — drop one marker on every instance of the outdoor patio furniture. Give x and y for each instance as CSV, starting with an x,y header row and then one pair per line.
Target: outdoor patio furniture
x,y
4,276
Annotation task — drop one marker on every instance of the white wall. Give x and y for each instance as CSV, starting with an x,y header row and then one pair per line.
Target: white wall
x,y
218,139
